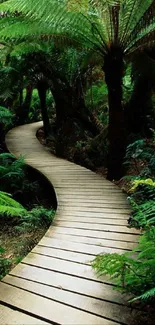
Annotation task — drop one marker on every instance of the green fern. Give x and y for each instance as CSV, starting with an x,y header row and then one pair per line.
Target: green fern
x,y
9,206
37,217
143,215
11,171
134,22
135,275
146,296
5,116
4,263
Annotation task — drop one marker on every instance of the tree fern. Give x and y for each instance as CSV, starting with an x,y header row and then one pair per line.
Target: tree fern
x,y
9,206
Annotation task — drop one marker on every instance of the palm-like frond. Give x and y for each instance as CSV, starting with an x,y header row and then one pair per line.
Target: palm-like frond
x,y
131,23
9,206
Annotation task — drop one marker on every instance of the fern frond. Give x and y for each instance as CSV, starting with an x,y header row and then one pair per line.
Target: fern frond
x,y
145,296
5,115
6,200
11,211
129,23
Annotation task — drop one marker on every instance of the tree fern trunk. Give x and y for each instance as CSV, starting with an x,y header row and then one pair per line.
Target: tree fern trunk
x,y
24,107
113,69
42,90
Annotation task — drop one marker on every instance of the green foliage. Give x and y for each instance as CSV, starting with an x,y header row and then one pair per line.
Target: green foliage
x,y
140,156
37,217
138,182
142,190
4,264
127,85
5,116
11,172
34,113
97,96
94,27
97,99
9,206
143,215
135,275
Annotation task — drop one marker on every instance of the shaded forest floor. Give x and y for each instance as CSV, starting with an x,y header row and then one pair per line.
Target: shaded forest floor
x,y
17,241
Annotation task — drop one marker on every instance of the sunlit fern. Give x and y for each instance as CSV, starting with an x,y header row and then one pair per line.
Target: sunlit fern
x,y
9,206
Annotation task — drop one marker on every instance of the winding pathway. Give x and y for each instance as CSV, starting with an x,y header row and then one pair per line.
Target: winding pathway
x,y
55,284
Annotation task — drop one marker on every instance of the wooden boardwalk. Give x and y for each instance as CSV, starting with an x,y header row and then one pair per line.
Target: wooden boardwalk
x,y
55,283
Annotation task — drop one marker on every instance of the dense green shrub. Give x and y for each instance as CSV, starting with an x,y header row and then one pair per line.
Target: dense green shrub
x,y
37,217
140,157
143,214
12,172
5,116
134,275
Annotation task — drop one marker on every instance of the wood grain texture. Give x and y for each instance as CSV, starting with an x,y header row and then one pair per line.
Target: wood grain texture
x,y
55,284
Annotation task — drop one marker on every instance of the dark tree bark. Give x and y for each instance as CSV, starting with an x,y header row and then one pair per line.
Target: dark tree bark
x,y
21,97
140,105
24,107
113,69
42,90
70,104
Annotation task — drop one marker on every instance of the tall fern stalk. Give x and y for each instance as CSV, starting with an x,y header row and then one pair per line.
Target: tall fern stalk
x,y
115,29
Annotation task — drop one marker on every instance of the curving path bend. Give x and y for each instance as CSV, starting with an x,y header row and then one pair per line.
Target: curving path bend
x,y
55,284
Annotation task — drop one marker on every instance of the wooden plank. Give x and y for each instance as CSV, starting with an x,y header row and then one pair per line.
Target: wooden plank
x,y
67,282
49,309
94,204
91,241
91,214
86,304
119,222
94,234
95,195
100,227
89,185
93,209
9,316
76,247
92,190
100,199
62,254
96,189
63,266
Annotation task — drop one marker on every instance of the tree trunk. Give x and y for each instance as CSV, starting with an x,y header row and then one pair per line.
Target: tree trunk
x,y
42,90
113,69
21,97
140,107
70,104
25,107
